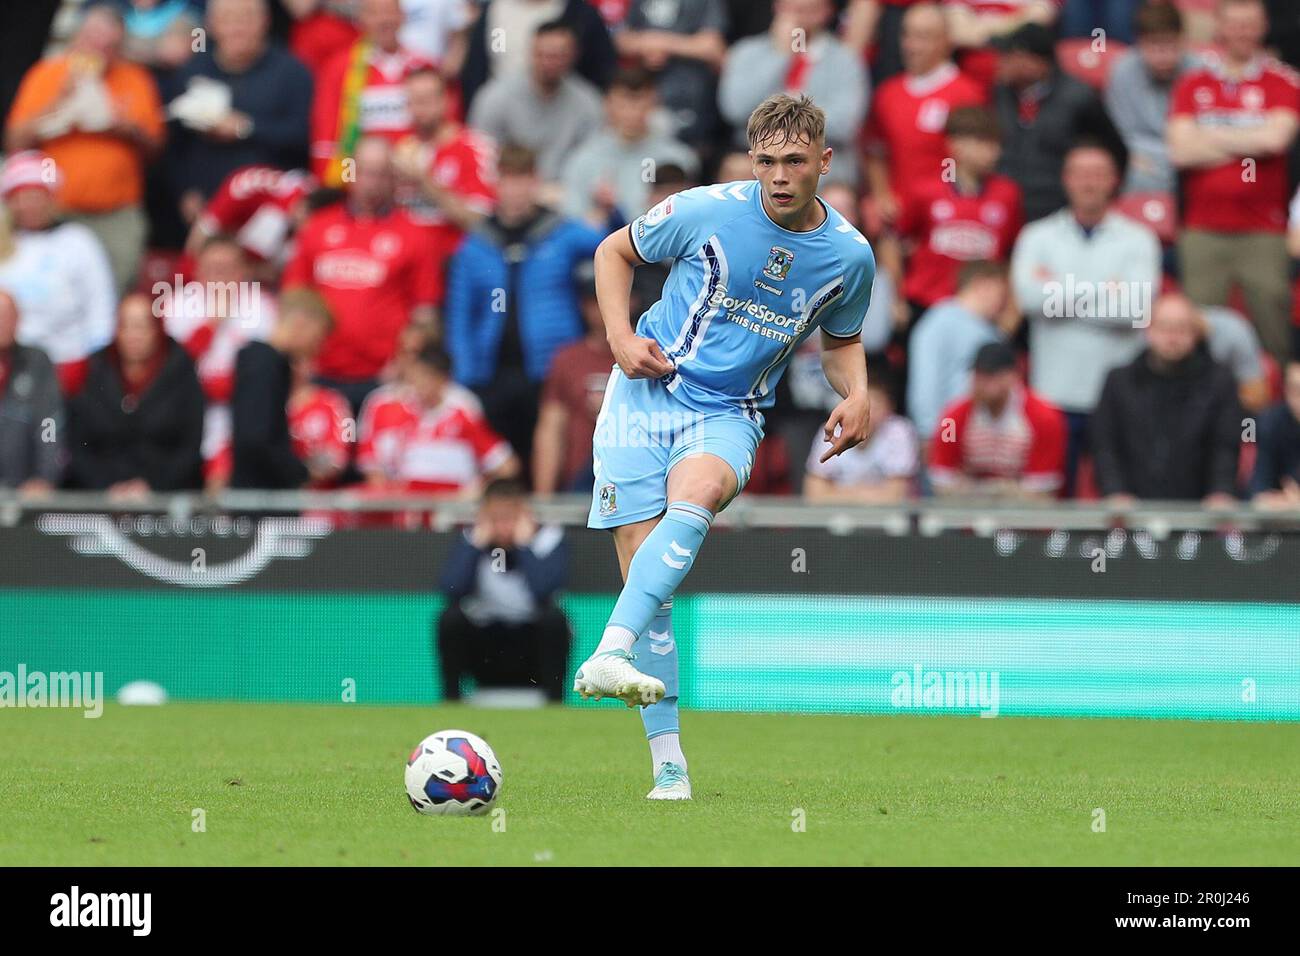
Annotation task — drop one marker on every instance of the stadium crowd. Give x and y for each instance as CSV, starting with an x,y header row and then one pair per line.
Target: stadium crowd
x,y
322,243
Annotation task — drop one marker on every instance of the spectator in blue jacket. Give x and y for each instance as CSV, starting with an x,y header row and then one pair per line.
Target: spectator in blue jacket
x,y
500,625
511,303
266,120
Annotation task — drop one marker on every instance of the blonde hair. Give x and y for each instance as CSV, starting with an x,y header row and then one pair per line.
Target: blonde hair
x,y
307,302
781,116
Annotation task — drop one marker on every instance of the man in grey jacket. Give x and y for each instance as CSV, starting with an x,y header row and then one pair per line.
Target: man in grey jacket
x,y
31,411
617,166
1137,95
549,109
799,55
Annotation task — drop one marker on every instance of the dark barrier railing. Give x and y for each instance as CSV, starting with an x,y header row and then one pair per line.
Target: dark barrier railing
x,y
925,517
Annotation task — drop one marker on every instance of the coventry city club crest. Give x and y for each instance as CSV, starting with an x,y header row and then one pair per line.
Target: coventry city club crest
x,y
608,504
778,263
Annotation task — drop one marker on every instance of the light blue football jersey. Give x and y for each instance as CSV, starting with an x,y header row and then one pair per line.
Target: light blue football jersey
x,y
743,292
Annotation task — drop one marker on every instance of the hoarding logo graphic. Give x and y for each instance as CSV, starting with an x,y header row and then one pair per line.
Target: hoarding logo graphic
x,y
272,538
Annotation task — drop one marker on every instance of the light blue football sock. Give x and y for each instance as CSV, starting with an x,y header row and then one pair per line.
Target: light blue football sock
x,y
657,568
656,655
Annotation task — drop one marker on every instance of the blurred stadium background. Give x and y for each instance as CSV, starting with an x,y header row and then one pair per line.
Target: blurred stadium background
x,y
1120,547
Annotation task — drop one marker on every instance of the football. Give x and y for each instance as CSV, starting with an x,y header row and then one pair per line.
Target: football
x,y
453,773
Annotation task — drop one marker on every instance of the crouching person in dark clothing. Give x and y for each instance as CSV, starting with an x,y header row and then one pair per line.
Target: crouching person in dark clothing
x,y
500,625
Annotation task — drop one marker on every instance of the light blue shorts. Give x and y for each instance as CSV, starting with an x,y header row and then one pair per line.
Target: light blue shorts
x,y
645,428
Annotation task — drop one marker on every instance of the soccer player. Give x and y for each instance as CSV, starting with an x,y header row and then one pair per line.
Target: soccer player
x,y
757,267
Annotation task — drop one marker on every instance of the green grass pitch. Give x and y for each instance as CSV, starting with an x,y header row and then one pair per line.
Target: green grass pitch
x,y
289,785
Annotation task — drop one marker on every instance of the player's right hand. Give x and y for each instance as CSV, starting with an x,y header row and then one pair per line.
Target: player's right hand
x,y
640,357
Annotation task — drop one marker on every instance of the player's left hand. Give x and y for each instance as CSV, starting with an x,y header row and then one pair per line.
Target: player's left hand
x,y
853,417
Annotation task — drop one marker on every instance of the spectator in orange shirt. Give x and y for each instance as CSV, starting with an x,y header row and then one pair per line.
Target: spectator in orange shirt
x,y
99,118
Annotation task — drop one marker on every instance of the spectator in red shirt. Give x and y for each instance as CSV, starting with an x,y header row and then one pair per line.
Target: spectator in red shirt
x,y
1231,124
1002,441
361,91
321,427
374,267
447,171
260,206
967,214
906,146
321,29
415,437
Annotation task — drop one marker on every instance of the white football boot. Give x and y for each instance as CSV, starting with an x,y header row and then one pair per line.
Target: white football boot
x,y
671,783
611,674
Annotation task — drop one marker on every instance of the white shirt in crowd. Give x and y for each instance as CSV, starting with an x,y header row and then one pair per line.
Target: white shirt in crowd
x,y
1085,297
430,24
63,283
892,451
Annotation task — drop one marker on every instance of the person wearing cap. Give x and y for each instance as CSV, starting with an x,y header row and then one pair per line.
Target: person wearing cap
x,y
946,339
59,273
1043,111
1001,440
511,302
1168,425
31,410
99,117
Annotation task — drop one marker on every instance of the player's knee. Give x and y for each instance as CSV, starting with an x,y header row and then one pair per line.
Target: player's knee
x,y
707,492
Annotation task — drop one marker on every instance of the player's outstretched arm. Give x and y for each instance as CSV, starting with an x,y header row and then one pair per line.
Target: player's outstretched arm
x,y
845,365
637,357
